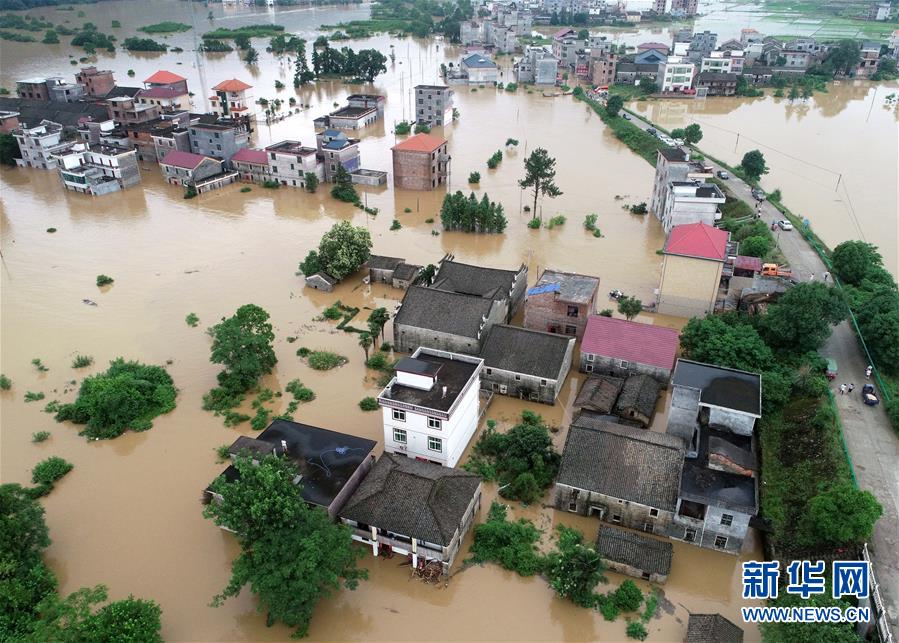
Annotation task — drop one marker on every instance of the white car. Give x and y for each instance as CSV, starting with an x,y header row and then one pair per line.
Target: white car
x,y
679,142
667,140
783,224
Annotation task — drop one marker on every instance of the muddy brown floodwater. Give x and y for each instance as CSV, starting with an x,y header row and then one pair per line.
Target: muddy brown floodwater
x,y
129,514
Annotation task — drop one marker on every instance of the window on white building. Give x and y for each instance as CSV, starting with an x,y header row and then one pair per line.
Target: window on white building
x,y
435,444
399,435
727,520
720,542
653,512
434,423
399,416
690,535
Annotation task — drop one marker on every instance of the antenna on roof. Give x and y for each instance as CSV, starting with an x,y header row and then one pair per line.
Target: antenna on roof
x,y
284,446
444,392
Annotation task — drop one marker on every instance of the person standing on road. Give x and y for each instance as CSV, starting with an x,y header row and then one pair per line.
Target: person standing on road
x,y
812,278
826,276
851,387
842,389
868,372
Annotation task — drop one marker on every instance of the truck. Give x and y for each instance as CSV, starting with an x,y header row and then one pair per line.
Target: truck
x,y
773,270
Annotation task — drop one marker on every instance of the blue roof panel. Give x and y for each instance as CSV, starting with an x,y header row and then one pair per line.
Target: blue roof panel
x,y
539,290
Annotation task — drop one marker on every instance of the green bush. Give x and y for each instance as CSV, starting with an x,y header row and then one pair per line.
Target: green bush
x,y
5,383
494,161
407,210
127,396
31,396
246,189
368,404
300,393
332,312
192,320
104,280
325,360
512,545
474,177
50,470
636,630
556,221
628,597
534,224
422,128
303,351
377,361
39,365
260,420
82,361
396,225
40,436
402,128
511,87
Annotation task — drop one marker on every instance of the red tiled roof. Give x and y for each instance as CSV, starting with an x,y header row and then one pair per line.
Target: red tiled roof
x,y
631,341
742,262
248,155
420,143
563,32
697,240
164,78
232,85
186,160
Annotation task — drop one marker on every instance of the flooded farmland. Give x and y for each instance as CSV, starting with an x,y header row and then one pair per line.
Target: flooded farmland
x,y
129,514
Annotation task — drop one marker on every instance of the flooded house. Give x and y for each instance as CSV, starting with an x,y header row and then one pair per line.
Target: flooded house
x,y
633,554
336,148
621,348
289,161
251,165
528,364
415,509
713,411
637,402
598,394
696,257
537,66
360,111
479,69
218,140
97,82
621,474
712,628
391,270
673,165
561,302
232,98
433,105
40,145
97,169
201,172
165,90
321,281
330,465
420,162
504,286
431,406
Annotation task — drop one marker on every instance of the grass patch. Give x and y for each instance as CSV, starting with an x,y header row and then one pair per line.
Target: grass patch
x,y
82,361
40,436
324,360
165,27
251,31
31,396
368,404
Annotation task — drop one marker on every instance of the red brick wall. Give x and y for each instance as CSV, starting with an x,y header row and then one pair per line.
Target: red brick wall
x,y
416,170
544,312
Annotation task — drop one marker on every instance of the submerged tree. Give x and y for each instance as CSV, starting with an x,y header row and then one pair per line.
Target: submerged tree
x,y
470,215
539,175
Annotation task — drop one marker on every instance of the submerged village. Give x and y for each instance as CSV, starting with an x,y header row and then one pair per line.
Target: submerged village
x,y
369,413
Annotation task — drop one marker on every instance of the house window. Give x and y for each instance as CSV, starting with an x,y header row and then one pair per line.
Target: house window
x,y
653,512
720,542
645,575
399,416
727,520
517,377
399,435
489,371
590,357
623,363
572,506
572,311
571,330
542,382
616,517
689,535
648,527
434,423
435,444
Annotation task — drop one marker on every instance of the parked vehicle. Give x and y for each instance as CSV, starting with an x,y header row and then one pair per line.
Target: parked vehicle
x,y
773,270
724,176
651,130
667,140
831,371
783,224
679,142
616,294
758,194
625,116
868,395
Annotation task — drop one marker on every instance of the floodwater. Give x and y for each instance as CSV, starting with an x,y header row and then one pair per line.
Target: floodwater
x,y
129,514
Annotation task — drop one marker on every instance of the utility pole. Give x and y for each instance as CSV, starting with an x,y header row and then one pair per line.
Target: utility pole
x,y
737,142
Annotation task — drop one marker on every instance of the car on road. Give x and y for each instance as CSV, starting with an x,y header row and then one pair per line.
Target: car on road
x,y
868,395
667,140
758,194
724,176
679,142
783,224
651,130
626,116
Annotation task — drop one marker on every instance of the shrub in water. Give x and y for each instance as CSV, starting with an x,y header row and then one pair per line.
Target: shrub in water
x,y
104,280
368,404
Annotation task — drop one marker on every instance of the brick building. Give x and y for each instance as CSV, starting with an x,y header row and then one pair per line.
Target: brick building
x,y
97,83
420,162
561,302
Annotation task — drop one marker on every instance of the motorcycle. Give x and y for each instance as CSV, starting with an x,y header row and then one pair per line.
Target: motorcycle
x,y
616,294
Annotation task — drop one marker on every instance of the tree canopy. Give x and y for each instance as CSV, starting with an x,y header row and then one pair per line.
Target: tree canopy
x,y
853,260
539,175
292,555
753,164
614,105
470,215
844,514
574,569
715,341
630,307
243,344
343,249
801,319
343,189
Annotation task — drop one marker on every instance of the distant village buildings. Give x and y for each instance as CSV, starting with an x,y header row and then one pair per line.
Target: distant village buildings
x,y
433,105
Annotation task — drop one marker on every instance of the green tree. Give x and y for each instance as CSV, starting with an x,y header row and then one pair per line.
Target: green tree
x,y
732,345
365,341
512,545
311,181
243,344
808,632
844,58
678,133
627,597
370,63
377,320
801,319
574,569
648,86
9,149
844,514
539,175
693,133
852,260
614,105
758,245
793,93
343,189
50,37
753,164
343,249
251,57
583,34
630,307
292,555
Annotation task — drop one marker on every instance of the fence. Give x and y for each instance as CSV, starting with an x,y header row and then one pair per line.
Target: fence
x,y
880,614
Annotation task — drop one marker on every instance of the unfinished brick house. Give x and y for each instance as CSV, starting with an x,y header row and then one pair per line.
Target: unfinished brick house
x,y
560,303
420,162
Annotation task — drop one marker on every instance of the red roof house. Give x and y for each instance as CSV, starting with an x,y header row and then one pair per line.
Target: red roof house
x,y
185,160
620,347
420,143
164,78
249,155
233,85
697,240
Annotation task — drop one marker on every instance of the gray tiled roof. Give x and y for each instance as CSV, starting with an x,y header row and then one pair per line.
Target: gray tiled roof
x,y
412,498
640,392
623,462
493,283
443,311
626,547
526,351
406,271
379,262
712,628
32,112
598,393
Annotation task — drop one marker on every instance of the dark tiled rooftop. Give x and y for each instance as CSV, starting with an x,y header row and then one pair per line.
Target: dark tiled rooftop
x,y
720,488
526,351
723,387
452,374
642,552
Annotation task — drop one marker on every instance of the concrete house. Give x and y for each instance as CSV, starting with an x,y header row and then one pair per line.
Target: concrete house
x,y
321,281
433,105
97,83
336,148
870,57
691,202
251,165
715,84
97,169
632,73
537,66
232,98
479,69
561,302
651,56
391,270
360,111
414,509
712,628
431,406
289,161
420,162
504,286
693,264
201,172
675,75
634,555
713,411
673,165
603,65
217,140
40,145
165,89
528,364
444,320
623,475
620,348
331,464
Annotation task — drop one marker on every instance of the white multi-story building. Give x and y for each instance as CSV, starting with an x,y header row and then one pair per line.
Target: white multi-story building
x,y
232,98
431,406
97,169
717,63
39,144
691,202
288,162
675,75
